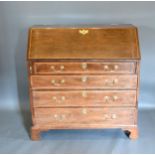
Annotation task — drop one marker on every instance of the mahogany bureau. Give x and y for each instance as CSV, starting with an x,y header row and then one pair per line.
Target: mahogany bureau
x,y
84,78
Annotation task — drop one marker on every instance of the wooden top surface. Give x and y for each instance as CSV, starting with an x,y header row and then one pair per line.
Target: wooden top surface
x,y
103,42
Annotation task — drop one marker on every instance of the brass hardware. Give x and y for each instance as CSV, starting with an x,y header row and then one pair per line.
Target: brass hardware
x,y
62,67
30,69
113,116
115,81
84,94
53,81
59,117
84,79
52,67
62,81
84,111
84,65
83,31
116,67
63,98
115,98
108,82
54,98
106,99
106,67
55,116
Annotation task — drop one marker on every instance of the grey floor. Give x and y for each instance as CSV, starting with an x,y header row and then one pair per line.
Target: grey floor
x,y
14,137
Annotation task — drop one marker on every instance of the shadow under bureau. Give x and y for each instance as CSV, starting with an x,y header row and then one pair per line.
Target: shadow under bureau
x,y
84,78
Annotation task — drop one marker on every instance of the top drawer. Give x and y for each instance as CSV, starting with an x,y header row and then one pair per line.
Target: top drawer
x,y
83,67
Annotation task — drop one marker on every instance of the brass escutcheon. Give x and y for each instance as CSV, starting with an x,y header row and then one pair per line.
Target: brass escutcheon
x,y
84,79
84,94
84,65
84,111
83,31
115,98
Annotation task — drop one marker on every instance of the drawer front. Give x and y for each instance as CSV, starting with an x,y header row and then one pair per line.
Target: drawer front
x,y
83,98
107,116
83,67
84,82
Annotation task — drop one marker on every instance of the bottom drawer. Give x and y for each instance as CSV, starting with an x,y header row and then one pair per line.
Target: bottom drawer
x,y
64,116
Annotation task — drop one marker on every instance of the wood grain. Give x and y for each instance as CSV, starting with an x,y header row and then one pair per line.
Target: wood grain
x,y
84,82
98,43
84,78
84,98
84,67
66,116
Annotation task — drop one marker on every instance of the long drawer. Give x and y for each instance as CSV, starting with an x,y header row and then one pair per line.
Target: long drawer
x,y
106,116
83,67
84,82
84,98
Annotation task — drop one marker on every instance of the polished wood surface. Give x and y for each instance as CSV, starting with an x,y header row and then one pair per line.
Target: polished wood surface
x,y
69,43
84,78
84,82
67,116
84,67
83,98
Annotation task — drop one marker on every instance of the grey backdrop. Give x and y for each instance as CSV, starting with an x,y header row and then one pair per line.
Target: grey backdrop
x,y
17,17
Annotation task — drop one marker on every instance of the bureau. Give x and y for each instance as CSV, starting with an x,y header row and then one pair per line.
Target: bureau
x,y
84,78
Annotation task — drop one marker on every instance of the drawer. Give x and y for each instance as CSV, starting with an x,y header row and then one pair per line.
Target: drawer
x,y
106,116
83,67
83,98
84,82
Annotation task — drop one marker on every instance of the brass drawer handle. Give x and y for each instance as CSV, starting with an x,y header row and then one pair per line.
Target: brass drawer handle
x,y
106,99
83,31
115,81
62,81
63,98
59,117
55,83
113,116
62,67
115,98
55,116
111,82
54,98
116,67
52,67
106,67
106,116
